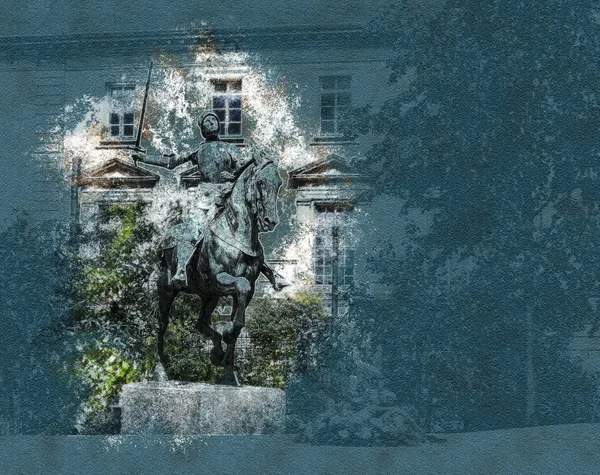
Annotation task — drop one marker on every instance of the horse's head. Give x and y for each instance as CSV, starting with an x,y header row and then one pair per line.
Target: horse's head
x,y
264,189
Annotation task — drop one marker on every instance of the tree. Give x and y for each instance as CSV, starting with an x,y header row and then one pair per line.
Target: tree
x,y
491,141
36,265
286,336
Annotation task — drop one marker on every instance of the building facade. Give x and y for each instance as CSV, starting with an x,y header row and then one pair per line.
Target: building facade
x,y
89,114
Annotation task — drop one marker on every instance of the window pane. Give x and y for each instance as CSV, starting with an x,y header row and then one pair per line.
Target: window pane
x,y
327,113
219,102
128,118
327,100
235,115
114,130
128,130
235,86
114,119
235,102
220,86
343,99
220,115
235,128
327,127
343,82
222,129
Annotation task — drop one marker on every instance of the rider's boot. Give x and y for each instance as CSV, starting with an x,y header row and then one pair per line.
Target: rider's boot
x,y
184,252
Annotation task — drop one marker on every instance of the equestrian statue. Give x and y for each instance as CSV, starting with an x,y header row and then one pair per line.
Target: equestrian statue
x,y
216,251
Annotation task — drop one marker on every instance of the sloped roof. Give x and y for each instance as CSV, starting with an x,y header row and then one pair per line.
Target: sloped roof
x,y
118,173
191,177
329,169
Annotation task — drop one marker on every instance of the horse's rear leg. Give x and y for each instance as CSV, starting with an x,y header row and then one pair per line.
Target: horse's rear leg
x,y
204,326
166,295
242,291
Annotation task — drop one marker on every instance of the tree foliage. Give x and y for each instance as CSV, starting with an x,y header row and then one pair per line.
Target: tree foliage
x,y
36,260
286,336
489,155
346,400
113,324
115,315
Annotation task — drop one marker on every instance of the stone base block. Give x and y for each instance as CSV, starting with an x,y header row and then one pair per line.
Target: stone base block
x,y
199,408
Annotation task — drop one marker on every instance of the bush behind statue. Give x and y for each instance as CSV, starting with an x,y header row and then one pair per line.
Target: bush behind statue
x,y
115,322
286,336
114,317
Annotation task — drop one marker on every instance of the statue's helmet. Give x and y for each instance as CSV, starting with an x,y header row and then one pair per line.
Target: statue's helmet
x,y
209,125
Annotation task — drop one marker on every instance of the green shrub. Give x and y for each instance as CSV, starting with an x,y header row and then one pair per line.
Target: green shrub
x,y
113,327
115,322
104,369
284,337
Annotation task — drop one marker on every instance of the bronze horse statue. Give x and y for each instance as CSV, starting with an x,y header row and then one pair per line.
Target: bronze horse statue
x,y
227,261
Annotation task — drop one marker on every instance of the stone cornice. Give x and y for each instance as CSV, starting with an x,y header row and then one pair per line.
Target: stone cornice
x,y
173,41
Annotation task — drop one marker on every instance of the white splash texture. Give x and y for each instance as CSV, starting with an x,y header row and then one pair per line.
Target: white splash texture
x,y
178,96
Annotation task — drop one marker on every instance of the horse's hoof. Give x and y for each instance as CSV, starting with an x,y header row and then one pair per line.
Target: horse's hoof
x,y
229,379
281,284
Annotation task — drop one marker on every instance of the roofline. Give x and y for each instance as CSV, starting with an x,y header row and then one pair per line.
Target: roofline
x,y
315,163
97,171
349,36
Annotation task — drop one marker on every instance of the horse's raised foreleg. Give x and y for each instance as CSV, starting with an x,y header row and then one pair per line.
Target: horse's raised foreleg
x,y
269,273
166,295
204,326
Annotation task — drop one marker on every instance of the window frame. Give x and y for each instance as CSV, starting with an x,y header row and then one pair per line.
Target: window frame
x,y
339,109
121,123
229,93
333,266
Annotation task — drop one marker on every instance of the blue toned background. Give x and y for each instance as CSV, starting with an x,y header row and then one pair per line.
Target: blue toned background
x,y
476,250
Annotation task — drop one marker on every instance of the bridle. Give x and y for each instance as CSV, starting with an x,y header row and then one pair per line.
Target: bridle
x,y
256,204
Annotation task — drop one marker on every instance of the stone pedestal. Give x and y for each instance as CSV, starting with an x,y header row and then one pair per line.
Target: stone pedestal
x,y
199,408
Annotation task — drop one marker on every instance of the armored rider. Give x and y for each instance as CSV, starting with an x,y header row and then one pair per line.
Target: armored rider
x,y
219,165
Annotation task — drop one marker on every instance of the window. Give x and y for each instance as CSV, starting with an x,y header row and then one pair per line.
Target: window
x,y
227,104
121,115
335,106
334,255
